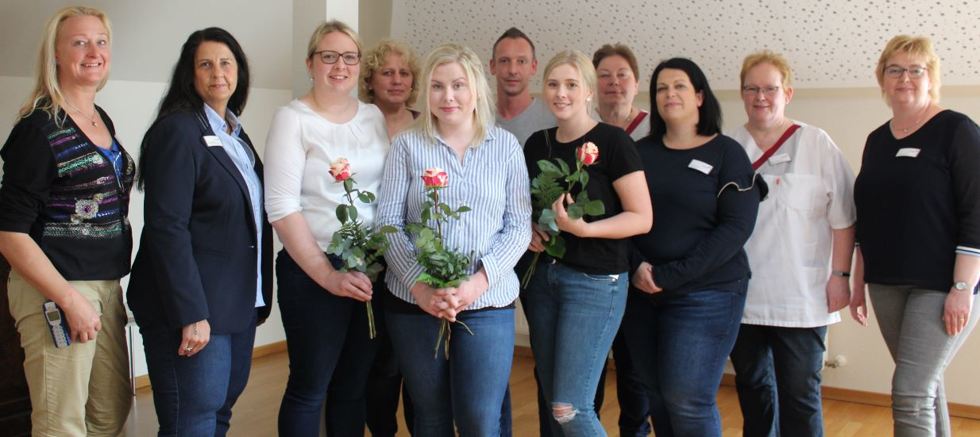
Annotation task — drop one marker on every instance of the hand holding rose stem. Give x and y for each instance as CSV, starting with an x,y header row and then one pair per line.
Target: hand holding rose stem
x,y
546,190
359,248
442,268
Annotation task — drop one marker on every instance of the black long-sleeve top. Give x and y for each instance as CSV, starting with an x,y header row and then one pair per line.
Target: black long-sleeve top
x,y
705,205
918,202
60,189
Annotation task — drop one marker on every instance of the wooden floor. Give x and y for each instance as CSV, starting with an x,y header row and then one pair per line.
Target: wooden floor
x,y
255,413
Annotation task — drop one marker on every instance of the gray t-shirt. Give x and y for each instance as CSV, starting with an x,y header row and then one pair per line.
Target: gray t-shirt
x,y
534,118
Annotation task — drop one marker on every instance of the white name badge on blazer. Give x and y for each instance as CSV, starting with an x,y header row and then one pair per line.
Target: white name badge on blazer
x,y
780,158
700,166
908,152
212,141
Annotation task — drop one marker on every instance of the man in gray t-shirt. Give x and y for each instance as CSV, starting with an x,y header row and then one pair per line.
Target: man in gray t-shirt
x,y
514,64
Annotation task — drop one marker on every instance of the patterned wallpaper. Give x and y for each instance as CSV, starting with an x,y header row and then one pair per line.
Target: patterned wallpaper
x,y
829,43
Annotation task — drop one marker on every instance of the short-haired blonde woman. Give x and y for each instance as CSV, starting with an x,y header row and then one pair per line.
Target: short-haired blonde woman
x,y
486,173
330,352
799,255
388,81
918,229
575,303
64,229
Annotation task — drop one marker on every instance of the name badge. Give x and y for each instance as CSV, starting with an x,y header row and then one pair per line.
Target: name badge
x,y
700,166
780,158
907,152
212,141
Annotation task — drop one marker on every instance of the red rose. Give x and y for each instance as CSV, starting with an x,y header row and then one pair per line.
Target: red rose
x,y
435,177
588,153
340,169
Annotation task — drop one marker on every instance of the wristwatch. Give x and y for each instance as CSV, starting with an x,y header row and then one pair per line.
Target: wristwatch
x,y
841,273
960,286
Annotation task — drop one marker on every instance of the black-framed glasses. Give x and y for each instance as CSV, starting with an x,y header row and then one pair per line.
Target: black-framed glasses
x,y
769,91
330,57
895,71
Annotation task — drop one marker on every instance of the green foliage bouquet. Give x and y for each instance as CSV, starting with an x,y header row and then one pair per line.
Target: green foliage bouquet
x,y
442,267
550,185
356,245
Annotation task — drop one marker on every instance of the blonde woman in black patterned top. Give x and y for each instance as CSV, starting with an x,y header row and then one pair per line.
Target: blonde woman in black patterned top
x,y
64,229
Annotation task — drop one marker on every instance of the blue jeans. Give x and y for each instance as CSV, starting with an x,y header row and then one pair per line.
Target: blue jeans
x,y
573,318
680,342
194,395
330,355
777,375
468,388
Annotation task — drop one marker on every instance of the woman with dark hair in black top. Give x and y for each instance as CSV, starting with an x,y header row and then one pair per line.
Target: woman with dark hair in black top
x,y
689,272
202,279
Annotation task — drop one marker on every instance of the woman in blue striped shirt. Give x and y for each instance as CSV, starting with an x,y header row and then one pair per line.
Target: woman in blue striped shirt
x,y
486,172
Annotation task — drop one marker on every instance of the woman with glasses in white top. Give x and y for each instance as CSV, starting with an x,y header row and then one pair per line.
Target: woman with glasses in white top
x,y
799,255
323,308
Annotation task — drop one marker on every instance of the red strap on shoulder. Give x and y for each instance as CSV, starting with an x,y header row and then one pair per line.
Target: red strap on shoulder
x,y
636,122
779,143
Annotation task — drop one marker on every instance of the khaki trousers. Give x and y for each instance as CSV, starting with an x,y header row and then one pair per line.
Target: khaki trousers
x,y
81,390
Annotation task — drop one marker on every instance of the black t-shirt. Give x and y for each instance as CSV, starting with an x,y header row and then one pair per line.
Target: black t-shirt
x,y
704,207
617,158
918,202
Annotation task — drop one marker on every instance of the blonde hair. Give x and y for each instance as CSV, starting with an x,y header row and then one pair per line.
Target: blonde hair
x,y
917,46
47,95
329,27
374,59
483,116
767,57
578,61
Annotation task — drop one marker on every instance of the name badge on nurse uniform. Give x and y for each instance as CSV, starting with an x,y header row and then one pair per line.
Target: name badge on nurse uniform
x,y
780,158
212,141
700,166
908,152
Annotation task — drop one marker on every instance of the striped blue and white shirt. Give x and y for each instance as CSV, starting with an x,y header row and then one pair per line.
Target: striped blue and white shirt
x,y
491,179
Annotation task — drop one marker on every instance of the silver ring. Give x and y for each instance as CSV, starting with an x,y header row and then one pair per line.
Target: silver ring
x,y
188,349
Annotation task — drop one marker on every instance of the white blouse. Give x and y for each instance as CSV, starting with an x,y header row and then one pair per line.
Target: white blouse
x,y
298,152
811,192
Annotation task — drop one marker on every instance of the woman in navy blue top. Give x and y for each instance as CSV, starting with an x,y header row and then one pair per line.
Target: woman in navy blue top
x,y
690,272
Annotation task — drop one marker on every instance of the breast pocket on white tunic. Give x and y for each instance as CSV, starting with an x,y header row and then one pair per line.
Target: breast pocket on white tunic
x,y
802,193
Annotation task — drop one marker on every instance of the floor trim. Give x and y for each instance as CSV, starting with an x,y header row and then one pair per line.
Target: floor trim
x,y
838,394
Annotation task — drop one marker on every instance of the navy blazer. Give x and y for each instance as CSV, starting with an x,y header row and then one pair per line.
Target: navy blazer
x,y
196,258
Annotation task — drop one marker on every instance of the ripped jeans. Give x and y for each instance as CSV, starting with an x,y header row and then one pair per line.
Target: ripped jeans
x,y
573,317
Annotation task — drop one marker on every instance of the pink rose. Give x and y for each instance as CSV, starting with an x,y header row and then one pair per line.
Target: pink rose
x,y
588,153
340,169
435,177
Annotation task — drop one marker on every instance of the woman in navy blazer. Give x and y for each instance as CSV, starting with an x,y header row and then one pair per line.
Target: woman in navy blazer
x,y
202,278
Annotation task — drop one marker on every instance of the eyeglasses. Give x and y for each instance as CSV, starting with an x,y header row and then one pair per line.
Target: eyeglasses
x,y
769,91
895,72
330,57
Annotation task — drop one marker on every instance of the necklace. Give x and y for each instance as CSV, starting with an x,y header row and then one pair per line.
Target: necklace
x,y
909,128
92,118
905,130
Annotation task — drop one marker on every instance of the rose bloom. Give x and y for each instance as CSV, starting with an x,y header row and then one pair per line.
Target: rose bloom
x,y
435,177
340,169
588,153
